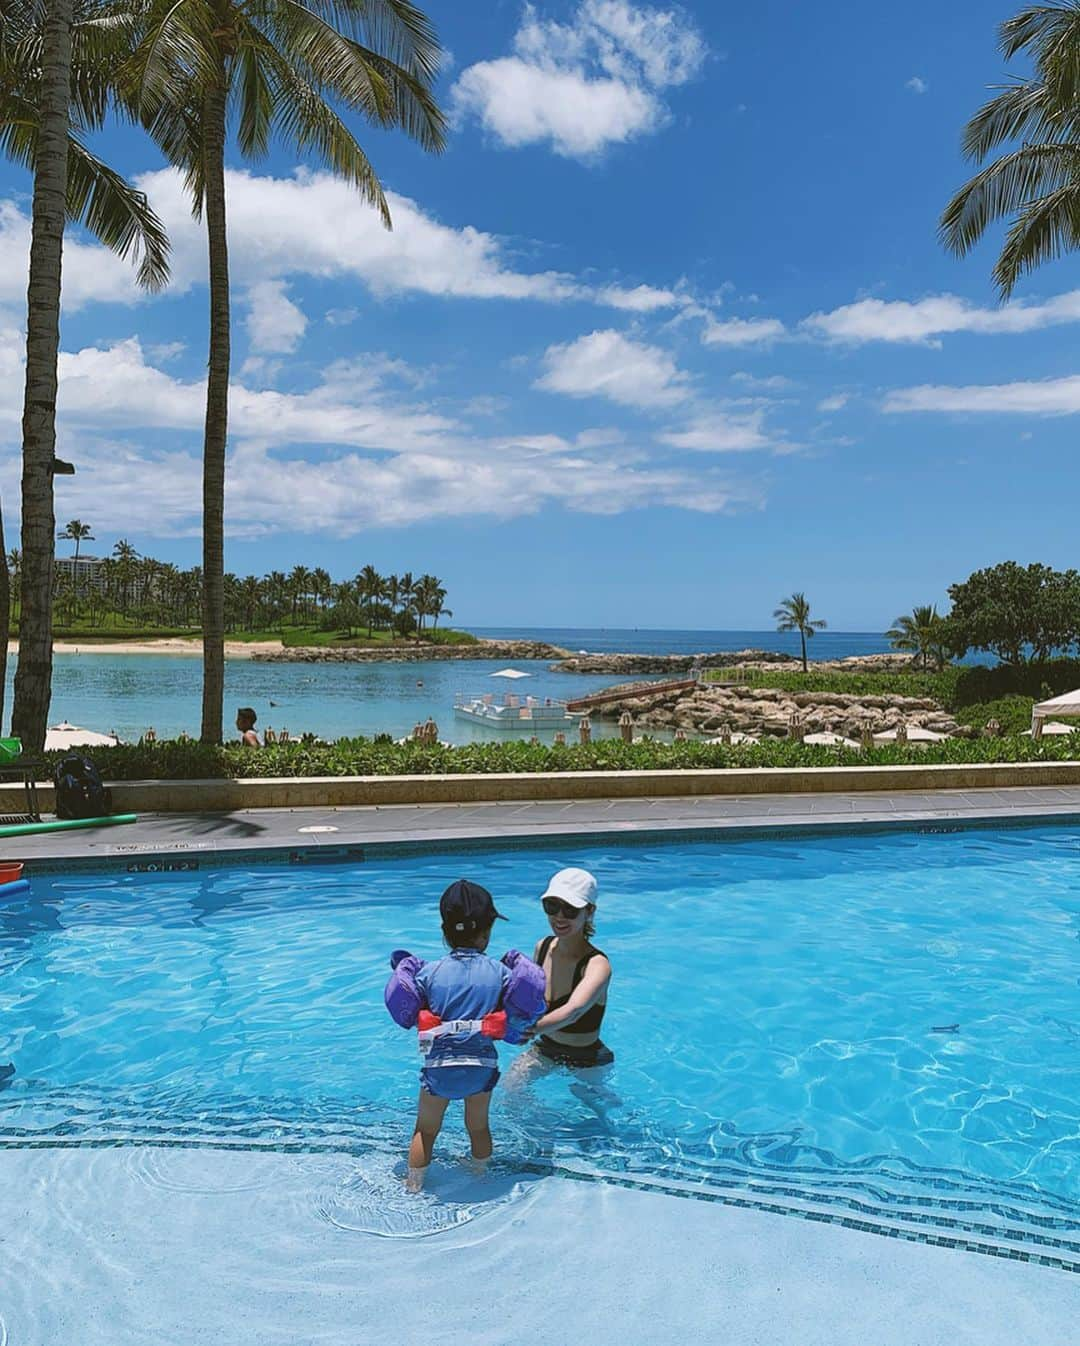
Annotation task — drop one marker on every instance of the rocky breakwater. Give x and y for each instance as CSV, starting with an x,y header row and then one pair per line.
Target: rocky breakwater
x,y
627,665
768,711
510,650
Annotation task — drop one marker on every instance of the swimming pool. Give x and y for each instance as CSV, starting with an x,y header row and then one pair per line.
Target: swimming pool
x,y
881,1031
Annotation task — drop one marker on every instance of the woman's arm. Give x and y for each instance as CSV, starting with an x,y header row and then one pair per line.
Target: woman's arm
x,y
584,996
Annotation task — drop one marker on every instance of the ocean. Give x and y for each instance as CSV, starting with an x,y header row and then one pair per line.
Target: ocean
x,y
129,693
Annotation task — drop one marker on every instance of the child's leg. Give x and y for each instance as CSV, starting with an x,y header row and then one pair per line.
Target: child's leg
x,y
477,1107
430,1111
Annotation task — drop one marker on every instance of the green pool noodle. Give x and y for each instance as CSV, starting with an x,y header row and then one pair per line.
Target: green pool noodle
x,y
64,825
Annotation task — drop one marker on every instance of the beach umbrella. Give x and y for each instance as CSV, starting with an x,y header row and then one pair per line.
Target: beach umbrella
x,y
510,673
1054,727
60,737
915,734
827,739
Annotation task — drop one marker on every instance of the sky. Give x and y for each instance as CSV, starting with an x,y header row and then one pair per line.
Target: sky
x,y
664,335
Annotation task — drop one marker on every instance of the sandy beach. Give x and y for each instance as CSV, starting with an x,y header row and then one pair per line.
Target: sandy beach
x,y
234,649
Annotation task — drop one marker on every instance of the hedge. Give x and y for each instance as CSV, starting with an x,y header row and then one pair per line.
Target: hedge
x,y
189,760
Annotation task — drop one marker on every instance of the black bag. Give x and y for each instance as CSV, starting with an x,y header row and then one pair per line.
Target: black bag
x,y
80,792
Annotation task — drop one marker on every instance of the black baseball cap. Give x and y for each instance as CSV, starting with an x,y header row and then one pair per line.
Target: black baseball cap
x,y
467,907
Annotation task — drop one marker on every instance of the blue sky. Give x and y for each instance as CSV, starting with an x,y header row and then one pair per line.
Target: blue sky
x,y
664,335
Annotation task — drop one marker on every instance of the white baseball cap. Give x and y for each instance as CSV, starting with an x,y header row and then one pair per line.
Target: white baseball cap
x,y
574,886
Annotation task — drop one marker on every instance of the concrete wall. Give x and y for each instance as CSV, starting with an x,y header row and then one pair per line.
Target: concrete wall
x,y
193,796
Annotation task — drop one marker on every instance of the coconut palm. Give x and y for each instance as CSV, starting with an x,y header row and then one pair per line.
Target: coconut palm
x,y
1036,184
58,64
78,532
793,614
918,632
276,68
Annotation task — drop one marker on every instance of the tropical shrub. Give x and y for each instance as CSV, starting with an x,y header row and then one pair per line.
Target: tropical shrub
x,y
190,760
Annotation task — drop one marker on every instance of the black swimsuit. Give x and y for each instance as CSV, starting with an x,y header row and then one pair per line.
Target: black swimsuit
x,y
566,1053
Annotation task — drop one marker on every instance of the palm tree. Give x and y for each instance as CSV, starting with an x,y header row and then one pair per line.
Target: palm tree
x,y
5,613
280,65
126,560
793,614
77,532
918,631
371,587
56,82
1037,183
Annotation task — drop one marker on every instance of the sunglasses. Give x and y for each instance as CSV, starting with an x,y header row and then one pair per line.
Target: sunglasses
x,y
553,907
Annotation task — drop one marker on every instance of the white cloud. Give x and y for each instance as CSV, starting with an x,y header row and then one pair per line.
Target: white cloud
x,y
767,383
1047,397
166,350
586,84
937,315
836,402
608,364
91,274
740,331
917,85
717,432
640,299
275,324
272,239
382,460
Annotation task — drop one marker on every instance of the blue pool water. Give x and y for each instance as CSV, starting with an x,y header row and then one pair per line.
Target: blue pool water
x,y
773,1015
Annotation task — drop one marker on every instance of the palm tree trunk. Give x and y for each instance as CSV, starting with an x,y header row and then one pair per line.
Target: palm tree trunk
x,y
217,419
33,678
802,637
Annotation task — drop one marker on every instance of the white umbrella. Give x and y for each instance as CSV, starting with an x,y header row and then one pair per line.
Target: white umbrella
x,y
60,737
827,739
915,734
1056,727
510,673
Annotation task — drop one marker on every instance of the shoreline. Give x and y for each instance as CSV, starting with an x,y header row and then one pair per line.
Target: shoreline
x,y
273,651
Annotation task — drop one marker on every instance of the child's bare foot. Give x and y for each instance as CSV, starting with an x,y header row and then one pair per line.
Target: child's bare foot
x,y
477,1167
414,1179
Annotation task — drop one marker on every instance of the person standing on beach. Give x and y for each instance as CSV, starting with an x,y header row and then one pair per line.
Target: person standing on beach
x,y
245,722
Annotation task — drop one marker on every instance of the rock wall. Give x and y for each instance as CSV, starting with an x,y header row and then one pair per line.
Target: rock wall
x,y
349,654
674,664
768,711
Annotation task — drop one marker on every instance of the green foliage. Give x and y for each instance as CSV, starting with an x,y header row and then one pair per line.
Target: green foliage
x,y
954,687
1007,608
1013,713
940,686
190,760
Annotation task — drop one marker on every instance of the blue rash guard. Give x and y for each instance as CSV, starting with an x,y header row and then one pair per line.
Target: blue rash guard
x,y
466,984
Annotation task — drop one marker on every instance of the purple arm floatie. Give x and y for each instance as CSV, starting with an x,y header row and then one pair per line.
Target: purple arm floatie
x,y
402,995
525,996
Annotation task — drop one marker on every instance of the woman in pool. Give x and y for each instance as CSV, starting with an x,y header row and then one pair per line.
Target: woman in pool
x,y
578,976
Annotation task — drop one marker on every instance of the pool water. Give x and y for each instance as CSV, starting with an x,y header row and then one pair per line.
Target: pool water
x,y
886,1026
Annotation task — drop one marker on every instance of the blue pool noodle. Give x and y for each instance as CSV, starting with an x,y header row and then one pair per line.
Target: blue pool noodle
x,y
19,888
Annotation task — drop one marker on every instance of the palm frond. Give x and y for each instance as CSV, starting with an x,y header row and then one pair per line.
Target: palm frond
x,y
1009,184
116,214
1044,230
255,100
401,31
385,91
1023,109
311,124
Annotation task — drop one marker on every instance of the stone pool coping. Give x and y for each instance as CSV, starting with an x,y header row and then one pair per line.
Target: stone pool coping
x,y
224,795
210,838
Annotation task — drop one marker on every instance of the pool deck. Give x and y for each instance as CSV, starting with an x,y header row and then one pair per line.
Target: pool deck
x,y
258,833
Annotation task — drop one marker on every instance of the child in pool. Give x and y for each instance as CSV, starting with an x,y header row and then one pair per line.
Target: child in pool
x,y
465,984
